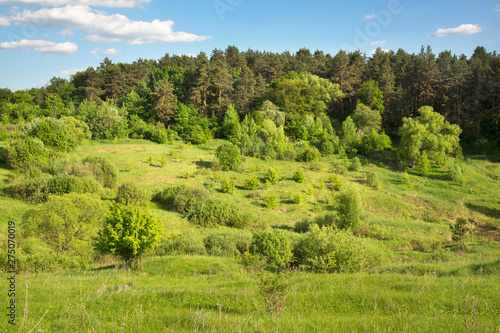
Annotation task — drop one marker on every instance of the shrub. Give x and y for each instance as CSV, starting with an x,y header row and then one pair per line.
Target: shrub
x,y
66,223
252,183
162,135
272,176
328,250
106,121
27,153
336,181
372,178
128,233
104,172
274,288
423,164
229,157
132,194
228,243
271,201
356,164
199,136
167,196
188,243
188,197
340,169
298,176
456,174
309,154
63,184
297,198
459,230
484,146
273,245
211,213
139,129
227,186
348,207
327,148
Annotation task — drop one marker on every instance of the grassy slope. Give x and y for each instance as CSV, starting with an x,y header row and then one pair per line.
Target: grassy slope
x,y
418,291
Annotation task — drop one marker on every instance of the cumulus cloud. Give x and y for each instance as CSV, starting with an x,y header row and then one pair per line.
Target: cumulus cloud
x,y
40,46
72,71
66,33
104,28
383,50
464,29
4,21
380,43
369,17
95,51
497,9
111,52
99,3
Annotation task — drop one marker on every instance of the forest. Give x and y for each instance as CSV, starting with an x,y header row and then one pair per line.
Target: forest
x,y
256,191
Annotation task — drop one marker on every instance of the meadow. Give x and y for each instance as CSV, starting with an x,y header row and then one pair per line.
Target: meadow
x,y
427,283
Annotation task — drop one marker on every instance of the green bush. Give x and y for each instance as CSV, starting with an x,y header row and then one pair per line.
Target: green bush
x,y
162,135
423,164
356,164
328,250
372,178
228,243
229,157
212,212
271,201
273,245
484,146
188,243
128,233
456,174
27,153
298,176
104,172
272,176
297,198
349,208
167,196
187,198
199,135
132,194
64,184
328,148
252,183
309,154
139,129
227,186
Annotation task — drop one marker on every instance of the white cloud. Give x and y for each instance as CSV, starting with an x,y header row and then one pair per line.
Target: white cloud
x,y
497,9
464,29
99,3
4,21
95,51
72,71
380,43
369,17
40,46
383,50
105,28
66,33
111,52
40,75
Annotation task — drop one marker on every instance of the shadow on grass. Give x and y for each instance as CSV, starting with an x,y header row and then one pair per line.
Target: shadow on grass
x,y
488,211
204,164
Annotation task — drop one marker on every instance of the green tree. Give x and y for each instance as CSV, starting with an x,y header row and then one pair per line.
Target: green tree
x,y
349,138
459,231
367,119
229,157
273,245
431,133
128,233
27,153
371,96
231,128
165,101
348,207
66,223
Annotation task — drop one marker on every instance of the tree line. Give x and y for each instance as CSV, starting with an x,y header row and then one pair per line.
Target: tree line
x,y
465,91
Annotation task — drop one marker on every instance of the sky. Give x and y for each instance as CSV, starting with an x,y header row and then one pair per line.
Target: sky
x,y
43,39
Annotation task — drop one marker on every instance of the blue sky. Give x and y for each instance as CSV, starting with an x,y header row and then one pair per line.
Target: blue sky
x,y
42,39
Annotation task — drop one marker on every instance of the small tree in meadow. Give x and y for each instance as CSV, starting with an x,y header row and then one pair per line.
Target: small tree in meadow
x,y
349,207
128,233
459,231
229,157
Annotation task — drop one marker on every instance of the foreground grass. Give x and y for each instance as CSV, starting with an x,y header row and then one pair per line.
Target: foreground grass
x,y
191,294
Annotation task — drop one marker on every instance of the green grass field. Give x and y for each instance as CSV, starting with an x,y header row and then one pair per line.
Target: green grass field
x,y
428,285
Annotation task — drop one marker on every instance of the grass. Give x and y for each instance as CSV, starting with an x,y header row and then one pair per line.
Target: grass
x,y
429,285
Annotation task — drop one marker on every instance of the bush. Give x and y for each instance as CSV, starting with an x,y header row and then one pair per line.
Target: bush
x,y
309,154
27,153
273,245
227,186
128,233
252,183
229,157
298,176
212,213
162,135
328,250
106,121
271,201
104,172
372,178
297,198
348,207
187,197
139,129
456,174
188,243
199,136
423,164
356,164
228,243
64,184
272,176
132,194
167,196
327,148
484,146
